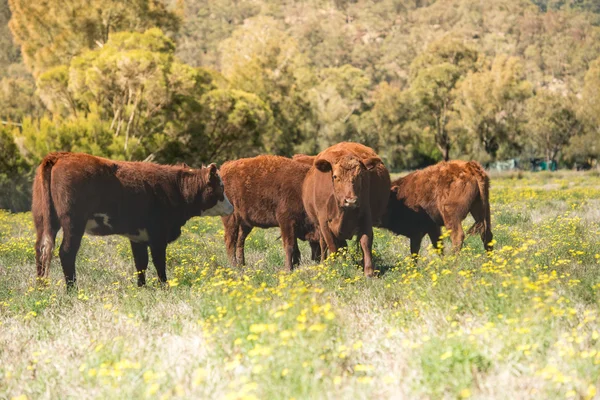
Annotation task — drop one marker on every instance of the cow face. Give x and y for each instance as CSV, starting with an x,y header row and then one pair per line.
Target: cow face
x,y
216,191
206,191
348,174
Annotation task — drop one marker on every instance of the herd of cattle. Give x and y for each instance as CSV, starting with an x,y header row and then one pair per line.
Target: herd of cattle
x,y
325,199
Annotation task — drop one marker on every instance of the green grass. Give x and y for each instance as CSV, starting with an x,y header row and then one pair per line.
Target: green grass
x,y
521,322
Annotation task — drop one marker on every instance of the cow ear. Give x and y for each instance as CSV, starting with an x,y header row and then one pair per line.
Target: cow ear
x,y
372,162
304,159
212,170
323,165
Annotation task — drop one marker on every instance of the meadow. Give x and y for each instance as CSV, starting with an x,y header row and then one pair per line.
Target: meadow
x,y
520,322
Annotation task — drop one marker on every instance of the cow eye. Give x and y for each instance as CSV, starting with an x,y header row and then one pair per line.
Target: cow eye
x,y
335,177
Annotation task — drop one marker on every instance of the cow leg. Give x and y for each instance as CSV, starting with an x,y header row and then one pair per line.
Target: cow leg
x,y
328,237
72,234
288,239
231,227
453,214
365,235
140,257
366,242
315,251
44,246
434,235
456,232
323,248
484,228
415,244
159,258
243,232
297,256
458,237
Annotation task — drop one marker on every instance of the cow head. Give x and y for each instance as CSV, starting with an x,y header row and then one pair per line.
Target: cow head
x,y
203,190
348,174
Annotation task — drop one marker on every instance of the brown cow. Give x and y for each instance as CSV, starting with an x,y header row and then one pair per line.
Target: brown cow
x,y
266,191
346,193
441,195
147,203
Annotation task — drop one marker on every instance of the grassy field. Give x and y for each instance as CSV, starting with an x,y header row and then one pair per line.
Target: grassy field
x,y
522,322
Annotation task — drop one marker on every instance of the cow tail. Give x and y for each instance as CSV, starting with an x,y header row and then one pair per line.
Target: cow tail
x,y
47,206
483,184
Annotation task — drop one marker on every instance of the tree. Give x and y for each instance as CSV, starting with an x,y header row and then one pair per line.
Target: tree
x,y
434,76
391,118
87,133
206,24
551,123
52,32
235,124
260,58
490,104
18,99
339,102
591,97
15,175
136,83
586,146
9,53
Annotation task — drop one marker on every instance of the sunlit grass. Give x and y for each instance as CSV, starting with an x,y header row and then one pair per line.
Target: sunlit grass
x,y
521,322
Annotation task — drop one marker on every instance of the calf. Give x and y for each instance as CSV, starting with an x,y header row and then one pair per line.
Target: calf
x,y
441,195
147,203
266,192
345,192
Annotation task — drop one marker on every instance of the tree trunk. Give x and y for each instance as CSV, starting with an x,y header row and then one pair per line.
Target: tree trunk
x,y
138,97
446,152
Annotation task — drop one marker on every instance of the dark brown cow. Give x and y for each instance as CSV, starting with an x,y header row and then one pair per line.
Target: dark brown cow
x,y
346,193
266,191
147,203
441,195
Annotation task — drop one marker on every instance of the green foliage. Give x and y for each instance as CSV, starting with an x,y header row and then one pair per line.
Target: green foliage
x,y
231,124
17,99
139,89
52,32
260,58
206,24
490,106
401,143
87,133
591,96
15,175
585,147
339,101
434,77
9,53
551,122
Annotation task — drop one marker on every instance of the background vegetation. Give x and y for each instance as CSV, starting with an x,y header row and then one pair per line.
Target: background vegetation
x,y
520,323
200,81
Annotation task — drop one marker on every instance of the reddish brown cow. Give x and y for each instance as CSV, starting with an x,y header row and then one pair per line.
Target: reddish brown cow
x,y
346,193
266,191
441,195
147,203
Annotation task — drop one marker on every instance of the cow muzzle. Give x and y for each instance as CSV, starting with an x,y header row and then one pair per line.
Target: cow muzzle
x,y
222,208
350,203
